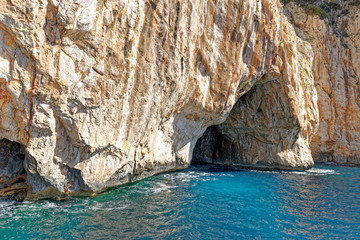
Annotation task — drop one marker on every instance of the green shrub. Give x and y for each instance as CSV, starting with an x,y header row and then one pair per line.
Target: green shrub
x,y
314,10
323,5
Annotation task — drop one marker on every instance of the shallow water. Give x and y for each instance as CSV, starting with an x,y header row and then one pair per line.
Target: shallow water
x,y
202,203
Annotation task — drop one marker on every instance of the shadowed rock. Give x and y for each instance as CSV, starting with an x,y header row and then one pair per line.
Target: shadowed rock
x,y
12,174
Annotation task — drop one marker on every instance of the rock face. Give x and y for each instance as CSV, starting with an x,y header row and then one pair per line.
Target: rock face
x,y
335,40
101,93
272,124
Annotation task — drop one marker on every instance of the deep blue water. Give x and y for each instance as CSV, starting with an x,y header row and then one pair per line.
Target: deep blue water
x,y
202,203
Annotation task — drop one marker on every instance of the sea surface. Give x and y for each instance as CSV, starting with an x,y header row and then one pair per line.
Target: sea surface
x,y
202,203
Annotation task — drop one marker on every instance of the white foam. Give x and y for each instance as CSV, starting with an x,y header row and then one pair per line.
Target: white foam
x,y
263,171
162,187
226,175
316,172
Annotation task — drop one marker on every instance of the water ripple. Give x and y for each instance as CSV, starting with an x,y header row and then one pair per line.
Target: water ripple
x,y
202,203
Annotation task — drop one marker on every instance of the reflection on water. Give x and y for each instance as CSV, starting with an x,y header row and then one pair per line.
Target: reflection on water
x,y
202,203
324,203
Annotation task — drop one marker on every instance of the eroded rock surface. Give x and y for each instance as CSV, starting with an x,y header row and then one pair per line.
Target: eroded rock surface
x,y
270,127
102,93
335,40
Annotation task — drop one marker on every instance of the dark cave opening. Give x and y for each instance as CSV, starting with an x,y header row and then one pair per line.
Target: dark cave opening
x,y
12,173
214,148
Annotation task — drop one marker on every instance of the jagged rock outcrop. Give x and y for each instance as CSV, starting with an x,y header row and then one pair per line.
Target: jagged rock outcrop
x,y
101,93
335,40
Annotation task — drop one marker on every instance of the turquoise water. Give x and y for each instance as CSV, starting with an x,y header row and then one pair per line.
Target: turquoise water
x,y
202,203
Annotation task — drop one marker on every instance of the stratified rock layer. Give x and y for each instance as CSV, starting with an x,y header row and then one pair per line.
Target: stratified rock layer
x,y
103,93
335,40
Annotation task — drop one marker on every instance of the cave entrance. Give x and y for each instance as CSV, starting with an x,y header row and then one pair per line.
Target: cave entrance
x,y
205,150
12,173
215,148
237,141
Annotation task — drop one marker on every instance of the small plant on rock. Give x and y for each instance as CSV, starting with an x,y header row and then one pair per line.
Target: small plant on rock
x,y
314,10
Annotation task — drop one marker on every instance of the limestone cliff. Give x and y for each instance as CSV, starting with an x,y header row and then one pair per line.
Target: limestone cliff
x,y
101,93
272,124
333,30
